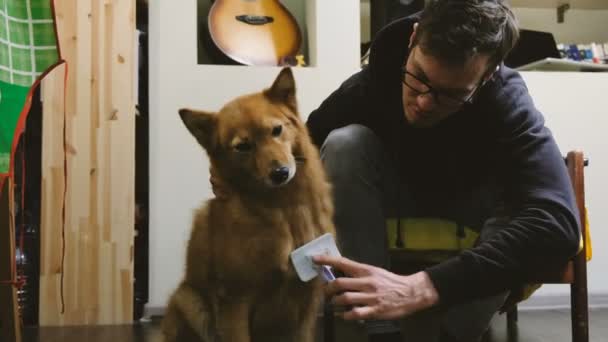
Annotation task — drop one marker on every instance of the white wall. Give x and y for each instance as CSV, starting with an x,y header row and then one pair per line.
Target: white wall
x,y
178,167
579,26
575,106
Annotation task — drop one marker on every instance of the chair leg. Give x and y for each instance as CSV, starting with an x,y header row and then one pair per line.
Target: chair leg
x,y
512,317
579,301
328,323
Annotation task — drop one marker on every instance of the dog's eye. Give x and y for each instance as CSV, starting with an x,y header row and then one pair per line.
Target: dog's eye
x,y
276,130
243,147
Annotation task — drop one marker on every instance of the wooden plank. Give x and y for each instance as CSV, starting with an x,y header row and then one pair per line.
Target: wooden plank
x,y
579,298
98,42
10,327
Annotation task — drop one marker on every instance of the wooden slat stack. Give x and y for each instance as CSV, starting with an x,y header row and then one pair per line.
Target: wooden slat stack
x,y
97,39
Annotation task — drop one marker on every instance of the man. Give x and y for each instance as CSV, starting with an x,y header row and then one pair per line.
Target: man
x,y
436,126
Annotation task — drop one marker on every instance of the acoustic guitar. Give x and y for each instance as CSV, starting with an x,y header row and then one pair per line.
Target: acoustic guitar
x,y
254,32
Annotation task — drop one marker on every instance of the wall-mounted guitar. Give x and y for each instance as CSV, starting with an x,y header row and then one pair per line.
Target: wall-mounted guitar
x,y
254,32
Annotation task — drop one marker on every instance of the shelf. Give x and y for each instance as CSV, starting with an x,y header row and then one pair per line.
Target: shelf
x,y
574,4
554,64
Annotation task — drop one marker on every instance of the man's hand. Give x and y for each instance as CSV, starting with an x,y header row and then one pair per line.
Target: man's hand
x,y
374,293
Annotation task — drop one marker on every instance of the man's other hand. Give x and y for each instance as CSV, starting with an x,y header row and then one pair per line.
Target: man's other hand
x,y
370,292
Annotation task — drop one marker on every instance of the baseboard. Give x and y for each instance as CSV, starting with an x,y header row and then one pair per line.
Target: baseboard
x,y
151,312
548,302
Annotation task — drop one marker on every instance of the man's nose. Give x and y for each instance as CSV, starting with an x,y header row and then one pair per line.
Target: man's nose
x,y
426,102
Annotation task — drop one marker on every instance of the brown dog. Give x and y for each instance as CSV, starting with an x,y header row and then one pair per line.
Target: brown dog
x,y
240,284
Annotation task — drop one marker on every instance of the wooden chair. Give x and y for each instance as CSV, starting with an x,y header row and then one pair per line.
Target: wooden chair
x,y
404,261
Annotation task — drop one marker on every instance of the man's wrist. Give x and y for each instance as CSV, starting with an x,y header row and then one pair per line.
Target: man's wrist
x,y
425,291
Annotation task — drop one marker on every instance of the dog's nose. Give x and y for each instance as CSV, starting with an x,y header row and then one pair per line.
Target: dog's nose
x,y
279,175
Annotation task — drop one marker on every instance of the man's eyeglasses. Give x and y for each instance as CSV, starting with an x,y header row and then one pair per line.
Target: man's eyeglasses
x,y
422,88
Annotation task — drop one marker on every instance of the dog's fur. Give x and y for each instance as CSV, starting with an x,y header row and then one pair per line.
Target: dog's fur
x,y
240,284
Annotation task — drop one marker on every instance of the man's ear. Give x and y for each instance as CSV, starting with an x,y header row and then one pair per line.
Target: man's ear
x,y
202,126
283,89
413,36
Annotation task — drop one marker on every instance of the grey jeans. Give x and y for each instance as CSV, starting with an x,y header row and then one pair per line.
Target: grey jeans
x,y
366,188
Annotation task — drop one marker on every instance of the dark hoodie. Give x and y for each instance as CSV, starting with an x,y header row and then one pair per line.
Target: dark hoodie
x,y
499,139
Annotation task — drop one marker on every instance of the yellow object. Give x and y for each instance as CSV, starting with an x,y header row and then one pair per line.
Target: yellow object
x,y
587,237
419,234
430,234
301,62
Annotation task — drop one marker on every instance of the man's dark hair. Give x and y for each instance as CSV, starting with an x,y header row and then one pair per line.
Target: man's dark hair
x,y
456,30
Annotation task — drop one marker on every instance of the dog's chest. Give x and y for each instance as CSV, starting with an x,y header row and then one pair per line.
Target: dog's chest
x,y
255,250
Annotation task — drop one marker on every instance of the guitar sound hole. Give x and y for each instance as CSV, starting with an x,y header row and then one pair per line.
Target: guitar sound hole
x,y
255,19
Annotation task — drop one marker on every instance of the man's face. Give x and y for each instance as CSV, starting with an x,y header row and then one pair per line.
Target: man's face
x,y
432,90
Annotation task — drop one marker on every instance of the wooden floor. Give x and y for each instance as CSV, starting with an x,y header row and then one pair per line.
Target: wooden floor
x,y
534,326
548,326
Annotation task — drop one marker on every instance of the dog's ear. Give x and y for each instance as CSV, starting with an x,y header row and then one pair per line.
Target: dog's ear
x,y
201,125
283,90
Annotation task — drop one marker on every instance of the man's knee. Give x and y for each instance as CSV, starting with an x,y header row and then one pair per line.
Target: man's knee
x,y
469,321
351,148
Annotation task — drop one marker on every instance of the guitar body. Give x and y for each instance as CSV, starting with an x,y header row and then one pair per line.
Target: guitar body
x,y
254,32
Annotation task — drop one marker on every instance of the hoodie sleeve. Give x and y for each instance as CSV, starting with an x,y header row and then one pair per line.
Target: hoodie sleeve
x,y
541,230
